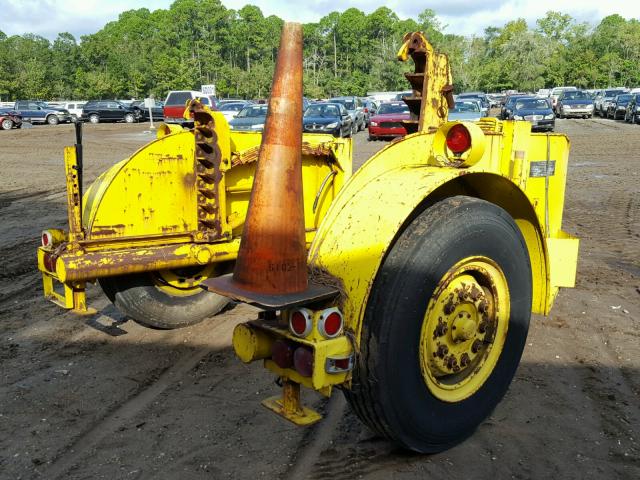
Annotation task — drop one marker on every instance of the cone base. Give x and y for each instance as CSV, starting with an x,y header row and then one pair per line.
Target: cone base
x,y
225,286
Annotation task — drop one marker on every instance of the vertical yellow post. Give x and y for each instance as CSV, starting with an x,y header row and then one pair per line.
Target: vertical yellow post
x,y
74,202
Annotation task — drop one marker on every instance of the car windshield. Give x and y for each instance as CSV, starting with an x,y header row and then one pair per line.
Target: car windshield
x,y
43,104
532,104
512,100
322,110
257,111
465,107
623,98
393,108
575,95
612,93
348,104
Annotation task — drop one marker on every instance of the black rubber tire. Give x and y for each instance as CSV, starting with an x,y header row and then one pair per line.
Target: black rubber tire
x,y
52,120
94,118
137,297
129,118
7,124
388,391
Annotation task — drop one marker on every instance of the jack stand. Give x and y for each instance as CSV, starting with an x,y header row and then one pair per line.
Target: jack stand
x,y
289,407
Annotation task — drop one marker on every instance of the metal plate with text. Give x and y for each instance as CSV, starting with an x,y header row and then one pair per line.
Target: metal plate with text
x,y
540,169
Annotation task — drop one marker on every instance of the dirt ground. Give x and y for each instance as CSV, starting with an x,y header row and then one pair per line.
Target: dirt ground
x,y
103,398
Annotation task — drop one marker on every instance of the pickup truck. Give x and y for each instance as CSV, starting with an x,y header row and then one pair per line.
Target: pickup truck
x,y
35,111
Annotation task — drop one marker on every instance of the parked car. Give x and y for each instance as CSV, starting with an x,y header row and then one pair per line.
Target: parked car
x,y
9,119
485,104
74,108
176,102
370,108
388,121
497,99
250,118
574,103
604,99
157,111
35,111
536,111
618,107
632,114
506,112
355,109
96,111
466,109
330,118
555,93
231,109
401,95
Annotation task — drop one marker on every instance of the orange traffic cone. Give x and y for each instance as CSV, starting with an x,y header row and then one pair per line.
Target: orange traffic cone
x,y
272,256
271,268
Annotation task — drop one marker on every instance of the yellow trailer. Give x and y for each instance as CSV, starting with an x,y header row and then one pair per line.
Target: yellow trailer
x,y
155,225
423,273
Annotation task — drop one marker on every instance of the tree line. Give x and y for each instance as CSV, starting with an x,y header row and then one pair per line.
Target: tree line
x,y
196,42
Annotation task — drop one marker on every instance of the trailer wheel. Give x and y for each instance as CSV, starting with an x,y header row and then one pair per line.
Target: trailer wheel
x,y
445,326
168,299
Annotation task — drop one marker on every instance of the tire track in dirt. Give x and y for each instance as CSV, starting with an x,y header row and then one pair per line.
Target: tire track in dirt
x,y
88,440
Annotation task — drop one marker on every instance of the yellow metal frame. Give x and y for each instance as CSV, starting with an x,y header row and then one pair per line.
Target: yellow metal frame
x,y
142,214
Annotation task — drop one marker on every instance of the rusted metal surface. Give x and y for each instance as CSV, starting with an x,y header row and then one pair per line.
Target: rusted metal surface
x,y
91,265
208,172
431,82
272,256
315,292
251,155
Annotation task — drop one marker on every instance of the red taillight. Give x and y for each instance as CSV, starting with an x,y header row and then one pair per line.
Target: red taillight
x,y
366,110
458,139
339,365
330,323
303,361
282,354
49,262
47,239
300,323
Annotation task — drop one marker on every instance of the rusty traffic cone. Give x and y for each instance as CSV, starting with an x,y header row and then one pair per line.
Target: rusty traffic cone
x,y
272,256
271,268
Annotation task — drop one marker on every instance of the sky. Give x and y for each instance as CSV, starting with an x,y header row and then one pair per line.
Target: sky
x,y
463,17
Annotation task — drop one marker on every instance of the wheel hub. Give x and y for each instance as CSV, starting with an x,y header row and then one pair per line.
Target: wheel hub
x,y
465,314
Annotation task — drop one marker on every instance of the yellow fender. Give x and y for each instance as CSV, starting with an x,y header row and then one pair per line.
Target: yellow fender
x,y
403,178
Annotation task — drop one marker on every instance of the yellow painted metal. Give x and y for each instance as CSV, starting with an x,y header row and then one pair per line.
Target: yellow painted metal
x,y
141,215
431,83
405,176
73,194
73,295
183,282
251,344
288,405
257,345
464,329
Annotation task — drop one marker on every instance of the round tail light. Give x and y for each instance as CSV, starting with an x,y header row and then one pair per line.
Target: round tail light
x,y
330,323
458,139
300,322
47,239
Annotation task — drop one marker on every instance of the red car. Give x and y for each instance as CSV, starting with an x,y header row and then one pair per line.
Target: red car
x,y
388,121
10,119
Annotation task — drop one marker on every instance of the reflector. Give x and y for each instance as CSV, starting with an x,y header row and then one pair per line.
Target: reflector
x,y
300,323
303,361
330,323
282,354
458,139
